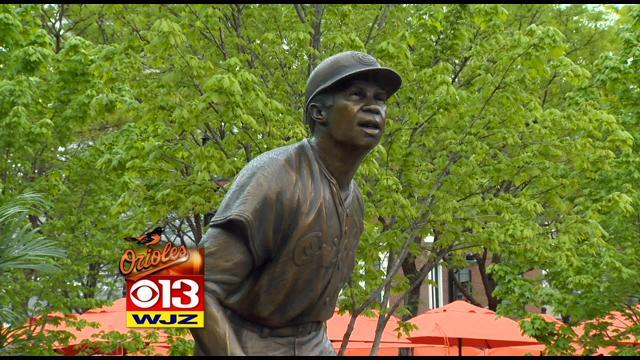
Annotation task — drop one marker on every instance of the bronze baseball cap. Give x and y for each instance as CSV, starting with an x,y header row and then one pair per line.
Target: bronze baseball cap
x,y
350,64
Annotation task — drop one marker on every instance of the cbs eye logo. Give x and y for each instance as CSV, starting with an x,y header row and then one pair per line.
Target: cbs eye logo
x,y
178,293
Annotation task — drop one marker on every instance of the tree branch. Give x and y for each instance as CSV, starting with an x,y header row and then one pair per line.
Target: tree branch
x,y
546,89
316,37
209,34
464,291
373,24
300,11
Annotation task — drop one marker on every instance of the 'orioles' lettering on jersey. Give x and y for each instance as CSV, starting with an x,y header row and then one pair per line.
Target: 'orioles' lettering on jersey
x,y
297,229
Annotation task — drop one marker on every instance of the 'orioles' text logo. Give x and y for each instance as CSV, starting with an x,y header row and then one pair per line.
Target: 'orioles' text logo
x,y
154,260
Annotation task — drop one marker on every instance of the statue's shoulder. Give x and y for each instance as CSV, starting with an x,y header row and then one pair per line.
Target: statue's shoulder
x,y
280,156
276,162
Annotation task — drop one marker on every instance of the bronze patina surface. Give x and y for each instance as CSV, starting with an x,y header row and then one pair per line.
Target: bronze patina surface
x,y
282,243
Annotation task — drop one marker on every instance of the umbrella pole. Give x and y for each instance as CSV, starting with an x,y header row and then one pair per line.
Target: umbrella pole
x,y
459,346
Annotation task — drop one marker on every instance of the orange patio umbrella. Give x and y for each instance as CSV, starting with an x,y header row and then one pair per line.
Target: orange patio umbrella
x,y
552,319
462,324
443,350
363,348
619,322
363,334
521,350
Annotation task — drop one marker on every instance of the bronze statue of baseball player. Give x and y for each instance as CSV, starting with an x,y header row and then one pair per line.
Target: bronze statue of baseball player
x,y
282,244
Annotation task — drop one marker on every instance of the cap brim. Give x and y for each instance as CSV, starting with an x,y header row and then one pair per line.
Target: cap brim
x,y
386,78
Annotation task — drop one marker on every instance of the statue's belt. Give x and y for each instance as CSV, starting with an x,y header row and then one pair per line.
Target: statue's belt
x,y
263,331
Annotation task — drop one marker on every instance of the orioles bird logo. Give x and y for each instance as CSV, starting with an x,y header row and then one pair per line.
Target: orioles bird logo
x,y
151,238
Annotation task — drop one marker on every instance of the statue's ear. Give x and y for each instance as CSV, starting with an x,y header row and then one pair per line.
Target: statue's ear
x,y
318,113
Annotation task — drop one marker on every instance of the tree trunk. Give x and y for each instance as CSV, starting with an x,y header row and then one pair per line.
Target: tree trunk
x,y
410,270
316,37
487,281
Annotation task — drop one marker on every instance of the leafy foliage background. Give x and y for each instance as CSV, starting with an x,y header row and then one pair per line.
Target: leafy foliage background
x,y
512,140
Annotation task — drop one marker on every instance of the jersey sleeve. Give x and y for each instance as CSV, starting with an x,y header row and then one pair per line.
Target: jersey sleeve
x,y
227,262
258,205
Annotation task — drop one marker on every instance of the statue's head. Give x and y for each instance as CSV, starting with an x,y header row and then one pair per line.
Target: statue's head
x,y
346,98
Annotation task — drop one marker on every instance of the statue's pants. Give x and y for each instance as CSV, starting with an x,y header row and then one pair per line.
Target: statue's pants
x,y
315,343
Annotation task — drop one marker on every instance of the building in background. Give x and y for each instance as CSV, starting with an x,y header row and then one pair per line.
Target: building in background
x,y
448,285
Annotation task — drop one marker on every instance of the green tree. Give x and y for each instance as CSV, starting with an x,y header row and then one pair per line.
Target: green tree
x,y
48,97
607,280
588,32
453,164
507,138
22,248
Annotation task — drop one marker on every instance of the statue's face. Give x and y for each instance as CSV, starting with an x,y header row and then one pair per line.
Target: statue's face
x,y
358,114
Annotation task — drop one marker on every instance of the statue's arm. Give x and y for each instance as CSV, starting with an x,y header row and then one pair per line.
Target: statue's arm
x,y
217,337
227,263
